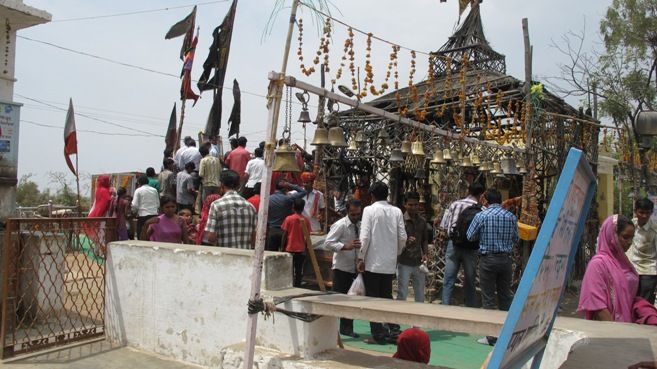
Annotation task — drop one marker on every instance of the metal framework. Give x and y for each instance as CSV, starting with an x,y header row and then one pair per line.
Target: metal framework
x,y
53,285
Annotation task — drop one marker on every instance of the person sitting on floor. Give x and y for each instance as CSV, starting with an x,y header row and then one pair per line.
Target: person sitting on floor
x,y
413,344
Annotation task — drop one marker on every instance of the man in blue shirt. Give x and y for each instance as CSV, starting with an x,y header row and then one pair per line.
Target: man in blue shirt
x,y
497,231
280,206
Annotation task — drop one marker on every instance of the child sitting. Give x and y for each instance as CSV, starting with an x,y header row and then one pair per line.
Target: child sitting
x,y
294,240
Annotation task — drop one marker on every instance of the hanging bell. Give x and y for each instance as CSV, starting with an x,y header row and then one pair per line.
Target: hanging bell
x,y
320,137
447,155
406,147
285,160
420,174
474,158
383,136
522,170
417,148
336,137
360,137
396,156
438,158
497,169
422,200
484,167
352,145
304,117
508,165
465,162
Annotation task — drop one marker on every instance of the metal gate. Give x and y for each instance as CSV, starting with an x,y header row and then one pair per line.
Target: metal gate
x,y
53,281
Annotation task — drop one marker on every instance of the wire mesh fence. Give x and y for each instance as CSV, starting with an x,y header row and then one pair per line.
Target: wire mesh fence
x,y
53,284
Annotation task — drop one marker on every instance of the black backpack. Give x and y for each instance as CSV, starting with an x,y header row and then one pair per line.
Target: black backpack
x,y
459,233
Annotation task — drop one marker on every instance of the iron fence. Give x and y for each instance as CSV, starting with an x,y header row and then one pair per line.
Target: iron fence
x,y
53,284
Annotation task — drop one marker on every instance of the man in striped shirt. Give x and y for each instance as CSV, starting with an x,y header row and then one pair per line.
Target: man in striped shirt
x,y
455,256
497,231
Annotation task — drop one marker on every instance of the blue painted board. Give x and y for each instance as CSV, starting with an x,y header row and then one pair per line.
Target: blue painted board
x,y
535,305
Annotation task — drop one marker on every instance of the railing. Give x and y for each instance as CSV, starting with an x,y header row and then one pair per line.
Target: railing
x,y
53,281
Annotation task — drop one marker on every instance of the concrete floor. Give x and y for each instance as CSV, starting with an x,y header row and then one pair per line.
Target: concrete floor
x,y
96,355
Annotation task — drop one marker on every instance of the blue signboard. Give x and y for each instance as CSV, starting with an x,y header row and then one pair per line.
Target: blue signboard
x,y
9,117
534,308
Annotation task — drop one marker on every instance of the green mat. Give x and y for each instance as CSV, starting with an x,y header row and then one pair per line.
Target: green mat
x,y
87,248
448,349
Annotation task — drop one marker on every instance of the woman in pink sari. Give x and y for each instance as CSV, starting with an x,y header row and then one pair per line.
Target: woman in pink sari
x,y
610,281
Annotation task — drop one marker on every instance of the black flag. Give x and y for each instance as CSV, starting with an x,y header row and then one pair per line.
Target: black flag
x,y
213,124
184,27
236,113
218,55
171,136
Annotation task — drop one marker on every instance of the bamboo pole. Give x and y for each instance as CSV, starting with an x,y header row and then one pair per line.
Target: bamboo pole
x,y
77,183
180,125
274,106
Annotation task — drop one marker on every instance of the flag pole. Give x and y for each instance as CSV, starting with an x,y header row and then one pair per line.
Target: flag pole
x,y
180,125
77,182
274,105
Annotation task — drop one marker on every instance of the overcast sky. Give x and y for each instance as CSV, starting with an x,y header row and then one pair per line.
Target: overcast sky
x,y
142,100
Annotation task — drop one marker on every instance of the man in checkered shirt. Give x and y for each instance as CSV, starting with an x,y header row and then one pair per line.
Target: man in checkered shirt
x,y
457,256
497,231
232,219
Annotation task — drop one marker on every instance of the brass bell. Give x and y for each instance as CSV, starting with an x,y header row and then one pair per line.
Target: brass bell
x,y
447,155
396,156
360,137
438,158
465,161
522,170
383,134
508,165
336,137
352,145
474,158
417,148
497,168
420,174
320,137
406,147
484,167
422,200
285,160
304,117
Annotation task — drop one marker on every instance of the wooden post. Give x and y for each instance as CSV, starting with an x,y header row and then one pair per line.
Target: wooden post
x,y
274,105
527,89
313,257
77,183
176,146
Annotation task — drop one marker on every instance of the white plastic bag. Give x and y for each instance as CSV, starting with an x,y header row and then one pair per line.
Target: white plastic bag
x,y
357,287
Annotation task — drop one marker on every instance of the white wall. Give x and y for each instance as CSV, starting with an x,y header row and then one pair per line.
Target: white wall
x,y
187,302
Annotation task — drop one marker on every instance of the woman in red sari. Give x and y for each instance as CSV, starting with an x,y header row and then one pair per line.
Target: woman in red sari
x,y
103,207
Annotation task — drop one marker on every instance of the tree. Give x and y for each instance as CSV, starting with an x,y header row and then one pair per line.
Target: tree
x,y
28,193
620,76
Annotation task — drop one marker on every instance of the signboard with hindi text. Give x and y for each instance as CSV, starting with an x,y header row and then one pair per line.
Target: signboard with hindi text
x,y
535,305
9,115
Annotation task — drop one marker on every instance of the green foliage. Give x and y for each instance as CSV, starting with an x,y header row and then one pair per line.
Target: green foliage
x,y
28,193
624,71
631,26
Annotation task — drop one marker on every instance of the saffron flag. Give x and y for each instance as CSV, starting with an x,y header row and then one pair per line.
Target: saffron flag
x,y
236,114
171,136
70,138
218,56
184,27
186,87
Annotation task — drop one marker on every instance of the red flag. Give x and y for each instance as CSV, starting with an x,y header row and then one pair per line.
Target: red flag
x,y
70,137
186,88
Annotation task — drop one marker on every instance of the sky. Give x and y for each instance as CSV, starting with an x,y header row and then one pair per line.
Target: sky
x,y
130,107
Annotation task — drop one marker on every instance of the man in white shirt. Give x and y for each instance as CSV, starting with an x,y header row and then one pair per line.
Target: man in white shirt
x,y
191,154
343,240
382,237
145,202
315,205
643,251
255,170
179,152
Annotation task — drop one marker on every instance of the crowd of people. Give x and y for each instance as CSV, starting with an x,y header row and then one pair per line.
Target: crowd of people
x,y
205,198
